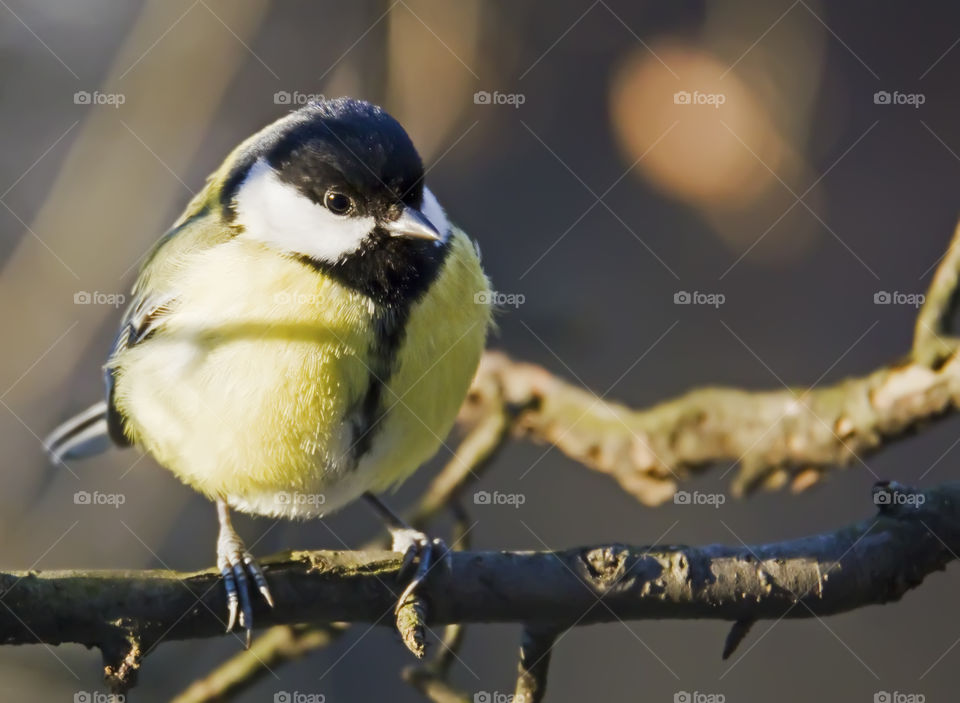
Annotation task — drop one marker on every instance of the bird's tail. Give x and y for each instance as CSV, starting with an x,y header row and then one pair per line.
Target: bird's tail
x,y
82,435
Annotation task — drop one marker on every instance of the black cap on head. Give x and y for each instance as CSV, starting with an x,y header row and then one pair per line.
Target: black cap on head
x,y
355,160
350,145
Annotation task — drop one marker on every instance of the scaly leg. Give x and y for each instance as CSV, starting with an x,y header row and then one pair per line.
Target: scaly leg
x,y
236,565
413,544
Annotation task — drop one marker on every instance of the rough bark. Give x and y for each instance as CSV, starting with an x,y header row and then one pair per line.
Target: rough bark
x,y
870,562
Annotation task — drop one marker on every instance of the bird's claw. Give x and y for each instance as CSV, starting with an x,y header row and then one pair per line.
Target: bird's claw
x,y
237,566
420,549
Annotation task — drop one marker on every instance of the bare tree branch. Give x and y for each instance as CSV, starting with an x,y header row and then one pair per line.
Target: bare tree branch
x,y
472,456
789,436
777,437
873,561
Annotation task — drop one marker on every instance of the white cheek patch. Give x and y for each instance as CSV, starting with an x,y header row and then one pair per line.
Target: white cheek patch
x,y
277,214
432,211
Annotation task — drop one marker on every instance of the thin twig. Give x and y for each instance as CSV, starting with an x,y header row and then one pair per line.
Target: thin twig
x,y
431,680
535,650
277,644
930,342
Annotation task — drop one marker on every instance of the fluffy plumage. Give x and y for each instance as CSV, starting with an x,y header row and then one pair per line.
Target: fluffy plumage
x,y
275,347
263,403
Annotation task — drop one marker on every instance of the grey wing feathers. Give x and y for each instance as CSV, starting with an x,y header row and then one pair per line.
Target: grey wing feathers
x,y
82,435
141,320
93,430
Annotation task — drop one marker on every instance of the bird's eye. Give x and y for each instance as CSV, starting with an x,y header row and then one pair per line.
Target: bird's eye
x,y
337,203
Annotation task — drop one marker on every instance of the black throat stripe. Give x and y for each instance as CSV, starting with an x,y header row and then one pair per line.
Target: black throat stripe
x,y
390,330
395,275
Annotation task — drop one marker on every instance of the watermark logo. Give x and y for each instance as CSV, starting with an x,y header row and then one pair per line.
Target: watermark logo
x,y
898,697
698,697
98,498
685,97
497,498
83,297
498,697
285,97
682,297
84,97
98,697
286,298
297,498
483,97
489,297
886,497
698,498
885,97
883,297
298,697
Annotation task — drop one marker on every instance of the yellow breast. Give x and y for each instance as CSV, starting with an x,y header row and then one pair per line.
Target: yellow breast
x,y
444,339
248,391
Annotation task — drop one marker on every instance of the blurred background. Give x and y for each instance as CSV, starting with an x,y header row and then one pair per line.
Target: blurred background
x,y
798,160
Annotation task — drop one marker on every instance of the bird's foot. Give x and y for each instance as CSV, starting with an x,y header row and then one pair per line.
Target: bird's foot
x,y
238,568
419,549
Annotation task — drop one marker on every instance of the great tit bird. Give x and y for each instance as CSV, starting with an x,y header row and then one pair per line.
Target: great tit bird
x,y
303,335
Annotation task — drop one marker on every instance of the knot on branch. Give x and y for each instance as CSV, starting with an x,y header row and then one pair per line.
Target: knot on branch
x,y
606,566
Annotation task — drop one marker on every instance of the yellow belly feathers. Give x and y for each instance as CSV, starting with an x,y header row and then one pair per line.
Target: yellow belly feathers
x,y
255,408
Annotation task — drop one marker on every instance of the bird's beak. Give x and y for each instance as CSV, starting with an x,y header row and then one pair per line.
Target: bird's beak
x,y
413,223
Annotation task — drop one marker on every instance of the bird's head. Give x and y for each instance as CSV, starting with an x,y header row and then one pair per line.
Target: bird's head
x,y
339,185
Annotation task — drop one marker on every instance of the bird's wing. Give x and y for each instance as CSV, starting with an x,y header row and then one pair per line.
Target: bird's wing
x,y
91,431
155,292
143,318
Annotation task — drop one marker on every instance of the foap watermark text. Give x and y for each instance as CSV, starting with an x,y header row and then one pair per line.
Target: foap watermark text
x,y
498,697
698,697
298,697
883,297
697,498
286,97
514,500
885,97
685,97
489,297
898,697
114,500
83,297
898,498
297,498
683,297
98,697
483,97
85,97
